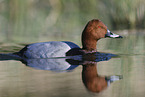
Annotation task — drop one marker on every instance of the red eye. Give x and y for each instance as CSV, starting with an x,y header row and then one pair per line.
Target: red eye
x,y
99,26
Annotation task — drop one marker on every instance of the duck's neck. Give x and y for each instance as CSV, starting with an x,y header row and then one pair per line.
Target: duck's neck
x,y
89,44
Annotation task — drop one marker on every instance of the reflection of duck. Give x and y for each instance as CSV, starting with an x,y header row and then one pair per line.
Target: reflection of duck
x,y
93,31
93,81
90,77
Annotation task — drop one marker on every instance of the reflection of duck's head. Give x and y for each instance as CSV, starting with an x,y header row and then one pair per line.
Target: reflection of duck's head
x,y
97,84
92,80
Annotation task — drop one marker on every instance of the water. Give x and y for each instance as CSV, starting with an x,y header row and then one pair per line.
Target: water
x,y
19,80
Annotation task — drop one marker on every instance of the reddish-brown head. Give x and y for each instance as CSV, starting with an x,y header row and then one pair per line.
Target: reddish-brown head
x,y
95,30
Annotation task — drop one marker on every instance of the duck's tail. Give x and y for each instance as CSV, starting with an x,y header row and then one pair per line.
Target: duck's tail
x,y
9,56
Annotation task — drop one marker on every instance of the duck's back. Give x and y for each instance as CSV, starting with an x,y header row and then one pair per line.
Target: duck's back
x,y
47,49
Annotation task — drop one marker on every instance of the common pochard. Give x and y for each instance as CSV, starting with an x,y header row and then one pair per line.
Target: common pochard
x,y
94,30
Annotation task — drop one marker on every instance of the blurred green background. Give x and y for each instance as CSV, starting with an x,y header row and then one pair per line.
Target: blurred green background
x,y
45,20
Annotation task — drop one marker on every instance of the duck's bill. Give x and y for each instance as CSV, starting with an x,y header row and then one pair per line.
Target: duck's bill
x,y
112,35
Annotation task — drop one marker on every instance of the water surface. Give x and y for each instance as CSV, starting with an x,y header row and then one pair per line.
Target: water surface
x,y
19,80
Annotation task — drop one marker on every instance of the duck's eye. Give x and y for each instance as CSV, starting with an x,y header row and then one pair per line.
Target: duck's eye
x,y
99,26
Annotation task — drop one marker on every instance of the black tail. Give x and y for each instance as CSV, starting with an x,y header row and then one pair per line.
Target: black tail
x,y
9,56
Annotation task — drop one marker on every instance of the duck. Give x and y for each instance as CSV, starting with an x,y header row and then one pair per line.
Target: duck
x,y
94,30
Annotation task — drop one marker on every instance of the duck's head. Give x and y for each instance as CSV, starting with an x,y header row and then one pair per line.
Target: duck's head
x,y
95,30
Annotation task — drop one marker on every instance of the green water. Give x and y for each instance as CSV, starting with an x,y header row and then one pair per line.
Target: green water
x,y
18,80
